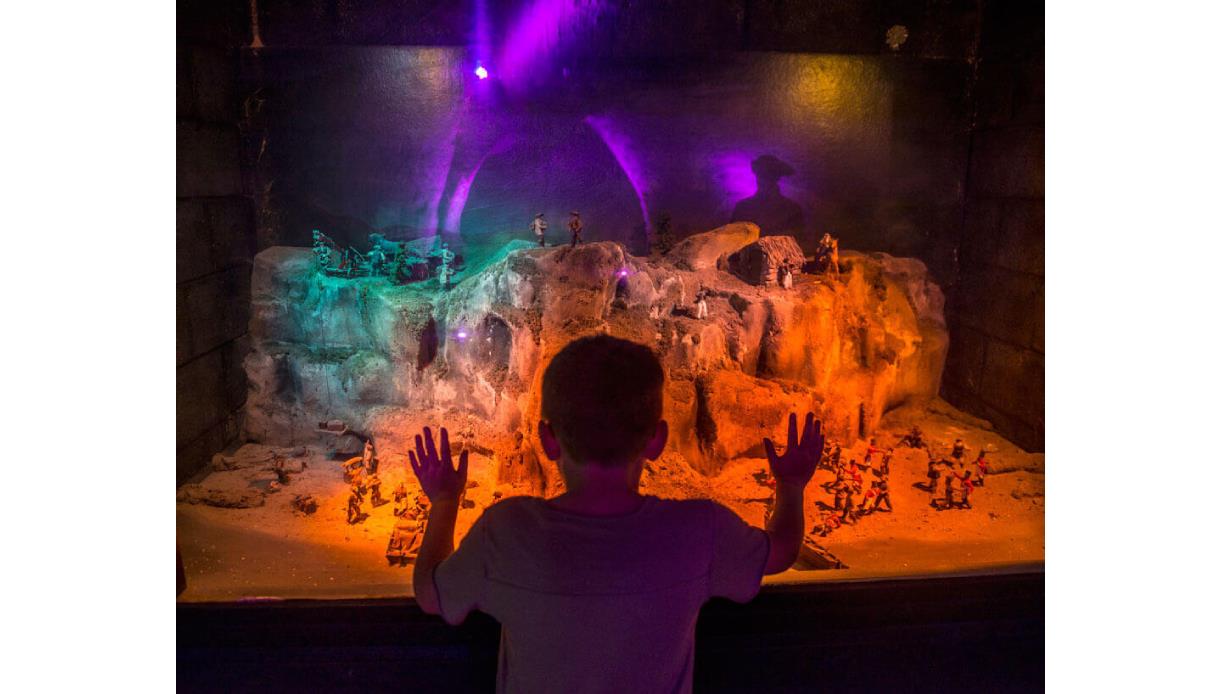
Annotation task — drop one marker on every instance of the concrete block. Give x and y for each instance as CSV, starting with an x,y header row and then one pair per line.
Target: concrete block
x,y
214,234
217,308
210,388
1009,234
1014,381
214,84
194,455
967,357
184,90
1008,162
208,160
999,302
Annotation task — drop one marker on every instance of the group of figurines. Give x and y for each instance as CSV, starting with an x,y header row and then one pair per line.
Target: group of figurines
x,y
852,500
386,258
862,488
539,227
951,480
410,510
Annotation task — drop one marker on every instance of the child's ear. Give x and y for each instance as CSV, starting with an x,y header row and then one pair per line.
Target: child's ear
x,y
550,444
656,446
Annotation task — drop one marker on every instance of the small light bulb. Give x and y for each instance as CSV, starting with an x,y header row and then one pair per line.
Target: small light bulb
x,y
480,72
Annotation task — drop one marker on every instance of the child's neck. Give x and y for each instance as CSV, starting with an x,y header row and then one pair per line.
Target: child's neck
x,y
594,490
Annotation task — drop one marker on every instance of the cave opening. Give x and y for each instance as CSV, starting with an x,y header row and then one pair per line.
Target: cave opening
x,y
429,344
495,348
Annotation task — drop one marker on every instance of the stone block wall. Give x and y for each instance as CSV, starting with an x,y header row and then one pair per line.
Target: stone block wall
x,y
215,237
995,365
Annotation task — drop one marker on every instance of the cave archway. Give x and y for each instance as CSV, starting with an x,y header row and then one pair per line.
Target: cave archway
x,y
555,165
494,349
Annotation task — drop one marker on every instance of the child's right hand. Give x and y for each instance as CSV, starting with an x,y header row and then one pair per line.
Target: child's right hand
x,y
440,481
801,457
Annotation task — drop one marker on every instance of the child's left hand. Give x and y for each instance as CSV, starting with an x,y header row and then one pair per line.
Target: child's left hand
x,y
436,474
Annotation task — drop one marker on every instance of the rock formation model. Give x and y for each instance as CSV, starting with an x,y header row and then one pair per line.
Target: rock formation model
x,y
385,359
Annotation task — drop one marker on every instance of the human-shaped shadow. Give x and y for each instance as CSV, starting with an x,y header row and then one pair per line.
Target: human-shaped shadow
x,y
767,207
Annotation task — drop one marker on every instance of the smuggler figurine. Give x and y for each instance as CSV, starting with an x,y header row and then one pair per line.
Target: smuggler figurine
x,y
701,305
374,485
959,450
353,507
575,226
914,438
377,261
401,499
369,458
539,228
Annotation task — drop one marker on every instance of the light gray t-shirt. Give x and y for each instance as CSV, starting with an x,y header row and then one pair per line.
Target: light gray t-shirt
x,y
600,604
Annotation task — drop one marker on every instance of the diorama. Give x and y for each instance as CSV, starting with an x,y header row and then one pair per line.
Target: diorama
x,y
789,231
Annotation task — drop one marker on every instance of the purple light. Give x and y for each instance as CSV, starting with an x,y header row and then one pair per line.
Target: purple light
x,y
480,72
462,335
625,155
622,273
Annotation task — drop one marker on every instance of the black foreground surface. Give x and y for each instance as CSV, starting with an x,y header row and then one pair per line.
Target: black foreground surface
x,y
977,633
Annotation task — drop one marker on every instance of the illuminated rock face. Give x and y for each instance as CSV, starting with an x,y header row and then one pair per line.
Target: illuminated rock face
x,y
387,359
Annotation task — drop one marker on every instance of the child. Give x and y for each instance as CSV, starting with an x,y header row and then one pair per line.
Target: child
x,y
598,589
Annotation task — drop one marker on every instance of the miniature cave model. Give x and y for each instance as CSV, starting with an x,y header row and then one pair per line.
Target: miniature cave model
x,y
376,238
343,371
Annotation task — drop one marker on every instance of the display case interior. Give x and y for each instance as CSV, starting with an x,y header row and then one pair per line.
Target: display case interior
x,y
377,239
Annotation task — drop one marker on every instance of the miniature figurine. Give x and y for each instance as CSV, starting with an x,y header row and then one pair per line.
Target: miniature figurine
x,y
783,276
353,507
849,503
405,541
373,482
913,438
827,523
826,256
981,464
701,305
539,228
376,260
883,495
764,479
304,503
885,462
281,474
352,468
575,226
959,450
934,472
953,487
966,488
400,499
369,458
872,449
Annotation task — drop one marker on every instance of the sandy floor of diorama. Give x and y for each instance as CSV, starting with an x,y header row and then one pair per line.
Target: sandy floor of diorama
x,y
271,551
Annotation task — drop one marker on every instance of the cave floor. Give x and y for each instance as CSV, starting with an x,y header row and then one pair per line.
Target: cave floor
x,y
272,552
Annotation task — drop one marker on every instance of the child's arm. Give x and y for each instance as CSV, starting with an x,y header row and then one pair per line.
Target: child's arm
x,y
443,485
792,472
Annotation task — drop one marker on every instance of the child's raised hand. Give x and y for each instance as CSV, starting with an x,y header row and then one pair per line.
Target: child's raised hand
x,y
801,457
441,482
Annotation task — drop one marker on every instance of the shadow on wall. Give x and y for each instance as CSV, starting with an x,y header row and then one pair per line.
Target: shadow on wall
x,y
774,214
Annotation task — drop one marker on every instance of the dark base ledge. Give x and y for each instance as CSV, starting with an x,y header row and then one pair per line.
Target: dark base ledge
x,y
942,634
